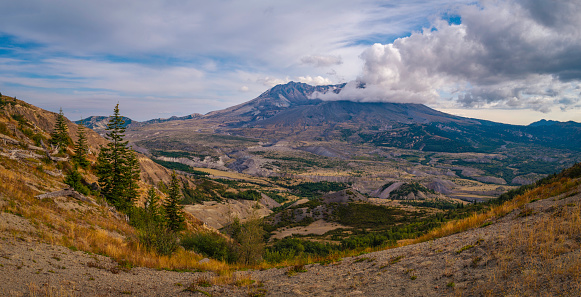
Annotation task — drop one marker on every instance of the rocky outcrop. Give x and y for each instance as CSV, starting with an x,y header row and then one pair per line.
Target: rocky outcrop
x,y
383,193
441,186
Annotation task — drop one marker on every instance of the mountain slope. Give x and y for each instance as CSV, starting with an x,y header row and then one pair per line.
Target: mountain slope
x,y
289,112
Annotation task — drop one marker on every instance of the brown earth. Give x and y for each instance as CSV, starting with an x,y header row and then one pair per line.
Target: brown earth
x,y
491,260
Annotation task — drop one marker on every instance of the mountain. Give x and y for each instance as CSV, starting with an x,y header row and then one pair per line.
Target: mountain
x,y
99,123
287,130
544,122
438,247
290,112
293,104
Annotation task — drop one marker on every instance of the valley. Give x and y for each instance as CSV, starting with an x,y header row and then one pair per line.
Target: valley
x,y
286,136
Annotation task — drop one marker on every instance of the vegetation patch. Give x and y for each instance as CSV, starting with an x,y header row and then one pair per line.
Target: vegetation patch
x,y
316,189
180,167
434,203
293,270
409,188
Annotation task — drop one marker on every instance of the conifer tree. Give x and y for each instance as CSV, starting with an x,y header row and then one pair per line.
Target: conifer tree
x,y
152,203
172,206
60,135
117,166
81,147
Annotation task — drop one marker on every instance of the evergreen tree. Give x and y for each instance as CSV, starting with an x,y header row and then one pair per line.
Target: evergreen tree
x,y
172,206
152,204
60,135
81,147
117,166
75,180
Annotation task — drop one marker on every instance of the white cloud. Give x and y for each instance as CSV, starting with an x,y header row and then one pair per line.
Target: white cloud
x,y
322,61
272,81
315,81
122,78
517,54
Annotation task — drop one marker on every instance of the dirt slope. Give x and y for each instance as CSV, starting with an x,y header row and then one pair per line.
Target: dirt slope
x,y
511,256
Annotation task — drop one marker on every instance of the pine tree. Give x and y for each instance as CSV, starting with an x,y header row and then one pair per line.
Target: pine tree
x,y
81,147
60,135
172,206
117,166
152,203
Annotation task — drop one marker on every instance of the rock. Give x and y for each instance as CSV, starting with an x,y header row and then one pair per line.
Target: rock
x,y
441,186
205,260
385,193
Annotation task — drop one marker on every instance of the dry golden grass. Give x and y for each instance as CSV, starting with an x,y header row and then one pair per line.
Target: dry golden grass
x,y
477,219
95,230
235,175
540,259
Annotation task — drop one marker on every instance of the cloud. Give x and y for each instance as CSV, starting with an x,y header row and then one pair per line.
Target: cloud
x,y
322,61
316,81
121,78
244,89
272,81
521,54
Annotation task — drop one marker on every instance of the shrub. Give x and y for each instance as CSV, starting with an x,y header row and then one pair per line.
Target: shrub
x,y
4,129
249,195
75,180
210,245
152,231
289,248
166,241
250,239
38,138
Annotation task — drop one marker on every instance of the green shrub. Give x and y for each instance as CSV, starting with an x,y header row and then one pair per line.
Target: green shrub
x,y
313,189
289,248
166,241
210,245
38,138
4,129
152,231
249,195
75,180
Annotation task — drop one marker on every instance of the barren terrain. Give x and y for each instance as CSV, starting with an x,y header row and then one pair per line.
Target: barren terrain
x,y
493,260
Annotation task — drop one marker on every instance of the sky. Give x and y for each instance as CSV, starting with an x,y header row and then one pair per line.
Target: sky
x,y
507,61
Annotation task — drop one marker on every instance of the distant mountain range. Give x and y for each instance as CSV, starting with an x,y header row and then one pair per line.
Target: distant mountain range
x,y
289,112
99,123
